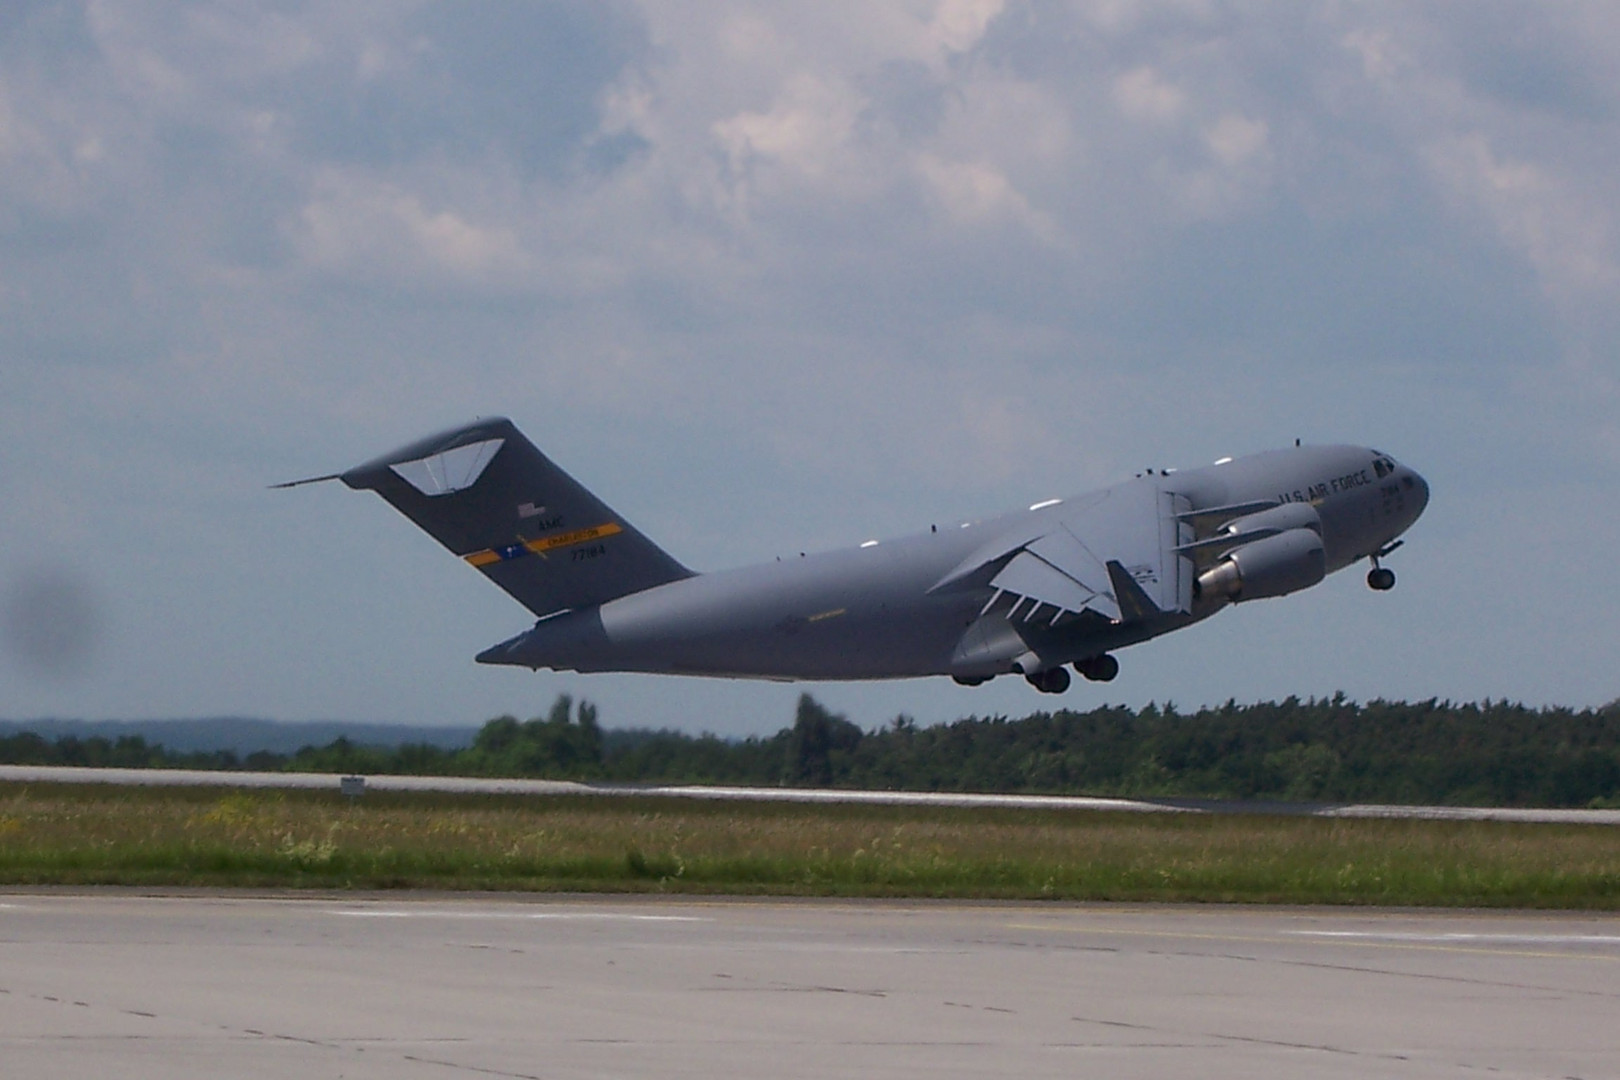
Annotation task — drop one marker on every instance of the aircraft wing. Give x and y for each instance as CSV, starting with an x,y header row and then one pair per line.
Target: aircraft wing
x,y
1112,555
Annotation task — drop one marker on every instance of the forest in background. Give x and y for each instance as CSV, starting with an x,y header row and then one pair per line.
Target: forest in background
x,y
1313,750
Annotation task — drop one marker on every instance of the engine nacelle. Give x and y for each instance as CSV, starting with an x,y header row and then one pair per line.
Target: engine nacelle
x,y
1274,566
1294,515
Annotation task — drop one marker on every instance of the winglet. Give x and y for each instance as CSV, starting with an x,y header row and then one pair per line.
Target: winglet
x,y
1134,604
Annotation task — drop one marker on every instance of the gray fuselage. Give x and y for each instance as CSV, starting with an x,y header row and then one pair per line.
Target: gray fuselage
x,y
878,611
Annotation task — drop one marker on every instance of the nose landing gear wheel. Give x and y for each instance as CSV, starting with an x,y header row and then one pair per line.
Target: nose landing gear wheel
x,y
1378,577
1051,681
1098,668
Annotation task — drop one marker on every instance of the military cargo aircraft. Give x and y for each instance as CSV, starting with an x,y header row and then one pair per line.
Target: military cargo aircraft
x,y
1065,583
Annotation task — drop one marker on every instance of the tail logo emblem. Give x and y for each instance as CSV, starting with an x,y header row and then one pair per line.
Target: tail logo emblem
x,y
490,556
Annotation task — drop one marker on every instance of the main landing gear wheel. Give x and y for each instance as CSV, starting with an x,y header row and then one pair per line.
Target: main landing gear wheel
x,y
1051,681
1098,668
971,680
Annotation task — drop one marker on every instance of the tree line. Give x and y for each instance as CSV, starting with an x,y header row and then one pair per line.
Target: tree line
x,y
1314,750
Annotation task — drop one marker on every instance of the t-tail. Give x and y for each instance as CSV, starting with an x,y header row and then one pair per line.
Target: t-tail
x,y
485,492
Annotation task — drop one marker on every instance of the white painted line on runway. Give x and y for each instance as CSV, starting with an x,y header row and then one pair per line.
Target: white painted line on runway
x,y
601,916
1523,814
903,798
492,786
1503,939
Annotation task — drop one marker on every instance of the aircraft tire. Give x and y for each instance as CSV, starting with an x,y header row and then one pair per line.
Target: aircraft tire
x,y
1051,681
1381,578
1098,668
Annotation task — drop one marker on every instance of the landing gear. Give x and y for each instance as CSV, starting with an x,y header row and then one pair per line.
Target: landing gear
x,y
1051,681
970,680
1098,668
1379,577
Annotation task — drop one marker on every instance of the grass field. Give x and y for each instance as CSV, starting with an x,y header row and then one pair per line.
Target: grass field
x,y
94,834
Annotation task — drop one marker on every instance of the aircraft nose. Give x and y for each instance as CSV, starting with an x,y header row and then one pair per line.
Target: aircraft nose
x,y
1420,489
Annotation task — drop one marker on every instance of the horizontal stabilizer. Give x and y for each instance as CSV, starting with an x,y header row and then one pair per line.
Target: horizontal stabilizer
x,y
485,492
306,480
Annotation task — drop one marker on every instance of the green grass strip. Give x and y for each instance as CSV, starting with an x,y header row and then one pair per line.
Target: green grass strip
x,y
95,834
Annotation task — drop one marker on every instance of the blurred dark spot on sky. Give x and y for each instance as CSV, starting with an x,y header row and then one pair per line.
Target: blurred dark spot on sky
x,y
50,623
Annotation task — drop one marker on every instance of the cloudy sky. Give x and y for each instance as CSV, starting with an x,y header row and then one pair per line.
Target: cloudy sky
x,y
781,277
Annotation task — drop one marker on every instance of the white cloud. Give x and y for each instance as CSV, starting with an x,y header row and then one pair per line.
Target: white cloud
x,y
805,131
976,193
1142,94
748,36
1568,238
1236,140
959,25
1383,61
370,231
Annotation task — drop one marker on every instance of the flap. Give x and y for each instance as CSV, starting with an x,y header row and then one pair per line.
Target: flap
x,y
1063,549
1033,577
1075,557
993,554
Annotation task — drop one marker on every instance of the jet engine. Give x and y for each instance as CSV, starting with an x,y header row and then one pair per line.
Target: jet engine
x,y
1294,515
1274,566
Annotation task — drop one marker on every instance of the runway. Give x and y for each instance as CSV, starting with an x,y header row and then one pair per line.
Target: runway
x,y
112,984
482,785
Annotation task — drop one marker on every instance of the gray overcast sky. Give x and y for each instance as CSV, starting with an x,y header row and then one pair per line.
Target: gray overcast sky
x,y
781,277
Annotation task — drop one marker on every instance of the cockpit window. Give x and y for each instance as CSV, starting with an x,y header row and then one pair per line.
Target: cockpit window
x,y
1381,468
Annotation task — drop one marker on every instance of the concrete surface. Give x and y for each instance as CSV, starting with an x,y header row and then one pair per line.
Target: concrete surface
x,y
199,985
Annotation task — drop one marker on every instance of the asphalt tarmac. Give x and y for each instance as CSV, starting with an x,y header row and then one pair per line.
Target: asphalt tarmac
x,y
404,986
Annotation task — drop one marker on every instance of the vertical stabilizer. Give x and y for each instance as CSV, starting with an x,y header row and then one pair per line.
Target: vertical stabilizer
x,y
485,492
